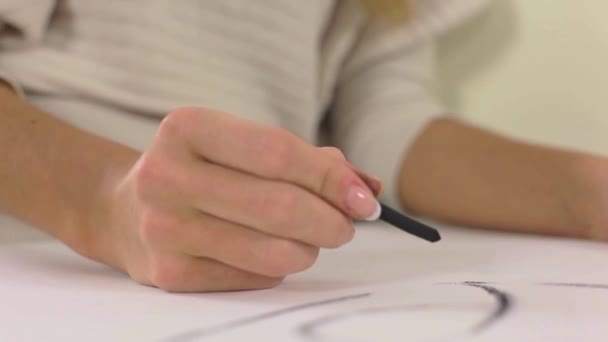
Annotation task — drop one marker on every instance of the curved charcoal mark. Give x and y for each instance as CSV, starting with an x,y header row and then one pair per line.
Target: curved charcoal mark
x,y
225,327
310,329
504,303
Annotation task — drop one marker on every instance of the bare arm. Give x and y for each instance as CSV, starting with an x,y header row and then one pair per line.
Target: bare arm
x,y
197,211
51,173
464,175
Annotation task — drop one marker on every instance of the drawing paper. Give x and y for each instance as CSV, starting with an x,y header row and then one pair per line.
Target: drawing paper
x,y
384,286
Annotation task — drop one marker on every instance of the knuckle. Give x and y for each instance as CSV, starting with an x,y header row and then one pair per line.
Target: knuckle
x,y
277,258
173,124
157,177
168,274
276,152
155,227
148,173
311,256
340,232
334,176
176,122
334,152
284,257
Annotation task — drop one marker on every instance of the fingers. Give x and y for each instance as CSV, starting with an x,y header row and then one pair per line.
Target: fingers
x,y
181,273
275,208
201,235
275,154
333,152
227,204
374,184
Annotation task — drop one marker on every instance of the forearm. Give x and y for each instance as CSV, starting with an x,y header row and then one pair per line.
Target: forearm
x,y
463,175
52,174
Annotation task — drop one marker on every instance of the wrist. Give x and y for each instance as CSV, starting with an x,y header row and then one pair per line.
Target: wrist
x,y
593,205
99,216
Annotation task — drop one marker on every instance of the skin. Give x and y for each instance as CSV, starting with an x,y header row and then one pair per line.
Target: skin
x,y
197,211
202,211
502,184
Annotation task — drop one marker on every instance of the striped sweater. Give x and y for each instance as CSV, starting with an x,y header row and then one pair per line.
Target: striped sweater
x,y
116,67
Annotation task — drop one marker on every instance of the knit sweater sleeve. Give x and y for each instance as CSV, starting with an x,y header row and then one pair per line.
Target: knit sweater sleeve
x,y
385,94
22,22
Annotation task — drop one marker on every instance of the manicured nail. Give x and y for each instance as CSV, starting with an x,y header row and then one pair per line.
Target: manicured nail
x,y
376,214
362,204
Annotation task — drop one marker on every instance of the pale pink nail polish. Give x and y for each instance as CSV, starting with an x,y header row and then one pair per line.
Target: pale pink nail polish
x,y
362,204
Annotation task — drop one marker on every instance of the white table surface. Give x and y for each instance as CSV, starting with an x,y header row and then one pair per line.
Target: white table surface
x,y
384,286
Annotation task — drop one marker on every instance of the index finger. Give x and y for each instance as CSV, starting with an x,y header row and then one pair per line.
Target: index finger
x,y
277,154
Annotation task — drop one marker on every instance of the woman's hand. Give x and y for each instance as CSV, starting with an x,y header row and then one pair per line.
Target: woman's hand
x,y
221,203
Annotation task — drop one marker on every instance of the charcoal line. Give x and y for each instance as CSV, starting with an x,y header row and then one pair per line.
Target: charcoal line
x,y
580,285
228,326
504,303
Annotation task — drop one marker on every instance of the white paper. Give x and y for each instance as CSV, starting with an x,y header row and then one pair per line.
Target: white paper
x,y
385,286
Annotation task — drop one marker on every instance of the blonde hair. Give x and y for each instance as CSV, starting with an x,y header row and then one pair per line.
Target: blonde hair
x,y
393,11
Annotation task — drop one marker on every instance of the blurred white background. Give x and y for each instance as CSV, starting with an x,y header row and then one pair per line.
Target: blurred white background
x,y
536,70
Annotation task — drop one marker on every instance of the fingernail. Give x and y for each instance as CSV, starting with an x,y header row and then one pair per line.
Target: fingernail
x,y
362,204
